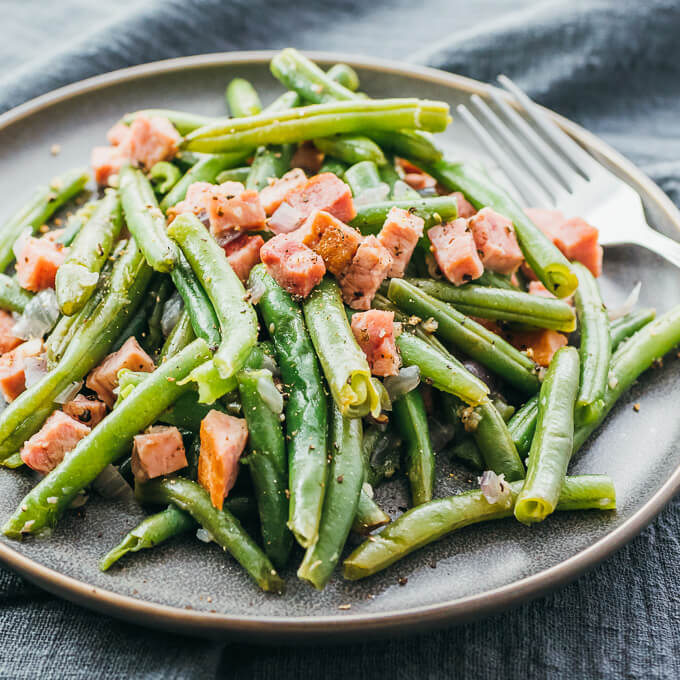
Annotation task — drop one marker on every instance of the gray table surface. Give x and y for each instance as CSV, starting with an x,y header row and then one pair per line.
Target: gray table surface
x,y
611,65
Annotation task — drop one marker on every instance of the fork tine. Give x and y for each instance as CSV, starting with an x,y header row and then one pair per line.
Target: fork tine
x,y
546,153
520,180
582,161
519,151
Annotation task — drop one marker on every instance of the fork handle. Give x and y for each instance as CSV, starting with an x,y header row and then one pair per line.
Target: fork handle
x,y
659,244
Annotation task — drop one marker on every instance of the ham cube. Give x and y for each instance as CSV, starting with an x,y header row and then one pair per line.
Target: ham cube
x,y
273,195
454,249
420,180
496,243
87,411
38,263
104,379
465,208
307,157
537,288
332,239
324,192
107,161
119,134
539,345
399,235
196,201
151,140
294,266
8,341
243,254
223,439
157,452
577,239
363,277
47,447
230,210
13,366
374,331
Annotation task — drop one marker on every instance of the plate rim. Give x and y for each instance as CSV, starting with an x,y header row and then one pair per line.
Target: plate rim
x,y
281,628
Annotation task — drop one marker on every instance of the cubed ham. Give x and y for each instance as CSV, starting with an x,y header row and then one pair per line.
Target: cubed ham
x,y
157,452
13,365
243,254
332,239
374,331
107,161
307,157
539,345
294,266
88,411
537,288
406,166
38,263
196,201
8,341
47,447
455,251
577,239
118,134
399,235
151,140
104,379
420,180
496,243
367,271
223,439
322,192
275,193
229,211
465,208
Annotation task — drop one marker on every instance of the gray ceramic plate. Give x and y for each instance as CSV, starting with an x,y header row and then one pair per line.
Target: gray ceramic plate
x,y
188,586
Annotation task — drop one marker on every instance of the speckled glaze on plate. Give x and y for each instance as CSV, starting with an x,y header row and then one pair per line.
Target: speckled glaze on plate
x,y
191,587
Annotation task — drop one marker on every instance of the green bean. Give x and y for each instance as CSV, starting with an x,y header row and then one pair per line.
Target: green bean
x,y
553,441
495,280
13,297
335,166
237,318
152,531
269,162
623,328
285,101
414,144
266,461
468,452
187,412
361,176
411,420
242,99
205,170
469,336
306,406
523,425
344,75
13,462
351,148
343,363
184,122
88,346
548,263
370,218
153,341
318,120
105,444
76,222
77,277
138,325
224,528
145,220
234,175
42,205
298,73
439,372
369,515
201,312
164,176
382,453
595,347
345,478
389,175
427,523
501,304
180,336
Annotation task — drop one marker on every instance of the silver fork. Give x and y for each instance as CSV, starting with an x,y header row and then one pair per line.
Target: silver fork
x,y
561,175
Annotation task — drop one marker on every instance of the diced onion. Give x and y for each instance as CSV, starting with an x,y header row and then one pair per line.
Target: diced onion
x,y
495,489
35,369
373,195
285,219
270,395
111,484
69,392
204,535
367,489
172,310
399,385
256,291
270,365
39,316
79,500
385,401
629,303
